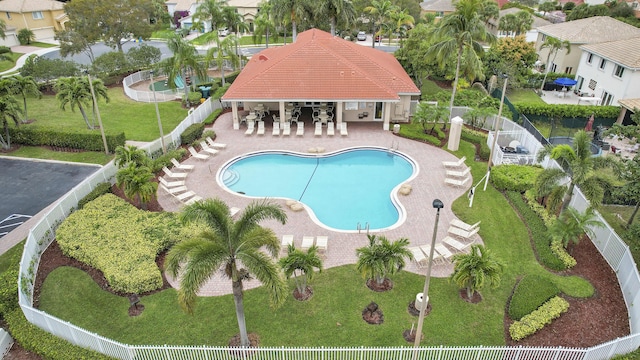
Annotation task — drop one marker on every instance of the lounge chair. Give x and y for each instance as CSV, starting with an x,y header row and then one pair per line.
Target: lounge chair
x,y
234,211
300,130
418,256
178,166
462,233
445,254
215,145
185,196
307,242
321,243
260,127
455,173
171,184
286,241
174,190
194,199
250,128
286,129
318,131
330,128
463,225
454,164
197,155
456,182
427,248
172,174
343,129
276,129
455,244
205,147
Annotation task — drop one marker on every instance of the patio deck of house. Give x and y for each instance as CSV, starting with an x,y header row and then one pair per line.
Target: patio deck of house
x,y
418,226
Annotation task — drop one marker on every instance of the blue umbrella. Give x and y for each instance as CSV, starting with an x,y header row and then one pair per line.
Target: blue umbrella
x,y
565,81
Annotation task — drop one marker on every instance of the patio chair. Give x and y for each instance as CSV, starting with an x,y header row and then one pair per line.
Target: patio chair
x,y
286,129
418,256
343,129
456,182
330,128
455,173
194,199
454,164
463,225
233,211
260,127
455,244
300,130
197,155
295,117
178,166
205,147
321,243
174,190
215,145
172,174
445,254
170,184
185,196
467,235
250,128
318,131
307,242
276,129
286,241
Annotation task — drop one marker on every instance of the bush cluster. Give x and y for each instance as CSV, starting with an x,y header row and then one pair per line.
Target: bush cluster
x,y
568,111
562,254
165,159
530,293
478,138
191,134
543,213
212,118
535,321
98,191
74,139
114,237
514,177
416,132
193,99
541,241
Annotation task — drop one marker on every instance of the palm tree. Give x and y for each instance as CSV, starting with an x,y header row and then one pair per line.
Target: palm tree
x,y
382,258
554,45
571,224
75,92
9,110
211,10
293,12
430,113
24,86
235,21
402,20
130,154
337,11
630,191
381,11
475,270
223,53
460,33
185,57
136,183
579,166
229,244
524,20
301,265
264,24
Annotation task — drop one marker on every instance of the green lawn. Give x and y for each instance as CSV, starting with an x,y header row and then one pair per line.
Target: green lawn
x,y
36,152
430,88
136,119
6,64
333,316
524,95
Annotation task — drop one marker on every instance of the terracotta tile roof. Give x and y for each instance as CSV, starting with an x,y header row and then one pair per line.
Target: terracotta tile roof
x,y
319,66
24,6
624,52
591,30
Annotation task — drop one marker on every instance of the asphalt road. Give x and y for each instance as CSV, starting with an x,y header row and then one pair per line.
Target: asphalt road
x,y
99,49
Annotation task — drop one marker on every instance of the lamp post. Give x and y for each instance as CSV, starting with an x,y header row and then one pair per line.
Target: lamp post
x,y
95,105
437,204
153,90
496,130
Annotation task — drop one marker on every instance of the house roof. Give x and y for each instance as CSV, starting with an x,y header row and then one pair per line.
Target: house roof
x,y
624,52
25,6
319,67
537,21
437,5
180,5
591,30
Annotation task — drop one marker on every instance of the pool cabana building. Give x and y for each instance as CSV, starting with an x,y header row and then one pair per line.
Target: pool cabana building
x,y
363,84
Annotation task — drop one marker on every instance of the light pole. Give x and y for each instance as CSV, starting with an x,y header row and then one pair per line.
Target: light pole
x,y
437,204
496,130
153,90
95,105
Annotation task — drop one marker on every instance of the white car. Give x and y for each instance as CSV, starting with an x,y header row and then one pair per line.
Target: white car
x,y
223,32
362,36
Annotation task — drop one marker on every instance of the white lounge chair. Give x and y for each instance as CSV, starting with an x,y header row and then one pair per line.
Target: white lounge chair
x,y
454,164
462,233
318,131
233,211
197,155
286,241
205,147
215,145
418,256
300,130
178,166
455,244
321,243
185,196
276,129
343,129
307,242
250,128
455,173
330,128
286,129
463,225
171,184
172,174
193,200
456,182
174,190
260,127
445,254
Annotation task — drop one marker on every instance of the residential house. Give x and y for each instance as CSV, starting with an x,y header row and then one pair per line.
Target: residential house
x,y
42,17
581,32
610,70
362,84
530,35
247,8
441,8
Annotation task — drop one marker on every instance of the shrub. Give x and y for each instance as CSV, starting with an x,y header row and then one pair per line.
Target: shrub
x,y
9,290
165,159
543,213
79,139
514,177
478,138
415,132
193,99
562,254
191,134
121,241
535,321
530,293
99,190
568,111
212,118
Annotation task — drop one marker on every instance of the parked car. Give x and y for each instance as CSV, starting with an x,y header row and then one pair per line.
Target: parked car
x,y
362,36
223,32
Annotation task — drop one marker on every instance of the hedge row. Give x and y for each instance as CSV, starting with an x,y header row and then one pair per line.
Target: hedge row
x,y
562,254
530,197
514,177
535,321
114,237
191,134
568,111
541,241
212,118
98,191
90,140
416,132
478,138
165,160
530,293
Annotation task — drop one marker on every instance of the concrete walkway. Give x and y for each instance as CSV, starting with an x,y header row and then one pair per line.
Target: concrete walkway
x,y
27,51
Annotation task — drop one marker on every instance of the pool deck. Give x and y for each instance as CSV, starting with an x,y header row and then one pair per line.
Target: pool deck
x,y
418,226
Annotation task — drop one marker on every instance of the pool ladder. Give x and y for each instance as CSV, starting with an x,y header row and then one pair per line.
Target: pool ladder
x,y
395,144
360,228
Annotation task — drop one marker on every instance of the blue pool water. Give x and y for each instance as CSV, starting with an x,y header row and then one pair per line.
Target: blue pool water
x,y
341,189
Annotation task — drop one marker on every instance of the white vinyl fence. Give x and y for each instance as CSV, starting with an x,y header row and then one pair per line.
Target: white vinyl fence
x,y
42,234
147,96
5,342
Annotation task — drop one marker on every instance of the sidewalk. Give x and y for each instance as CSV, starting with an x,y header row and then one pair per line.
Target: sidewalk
x,y
27,51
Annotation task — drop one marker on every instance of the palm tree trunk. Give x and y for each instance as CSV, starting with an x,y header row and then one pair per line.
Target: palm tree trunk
x,y
633,215
567,198
333,26
455,82
546,71
469,292
84,116
237,299
184,83
267,38
26,118
294,31
222,72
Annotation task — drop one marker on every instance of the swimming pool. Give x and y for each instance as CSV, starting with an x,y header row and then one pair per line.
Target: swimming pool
x,y
344,190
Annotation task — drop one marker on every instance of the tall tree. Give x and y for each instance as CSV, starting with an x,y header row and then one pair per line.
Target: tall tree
x,y
136,183
459,34
212,11
547,6
630,191
412,58
235,21
73,42
401,20
337,11
553,45
228,244
380,10
475,270
225,52
185,58
382,258
264,25
25,86
9,110
430,114
75,92
572,224
292,12
301,265
130,154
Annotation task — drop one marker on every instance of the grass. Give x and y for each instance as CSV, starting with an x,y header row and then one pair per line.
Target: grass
x,y
162,34
12,256
430,88
42,44
333,316
36,152
6,64
524,95
136,119
617,216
